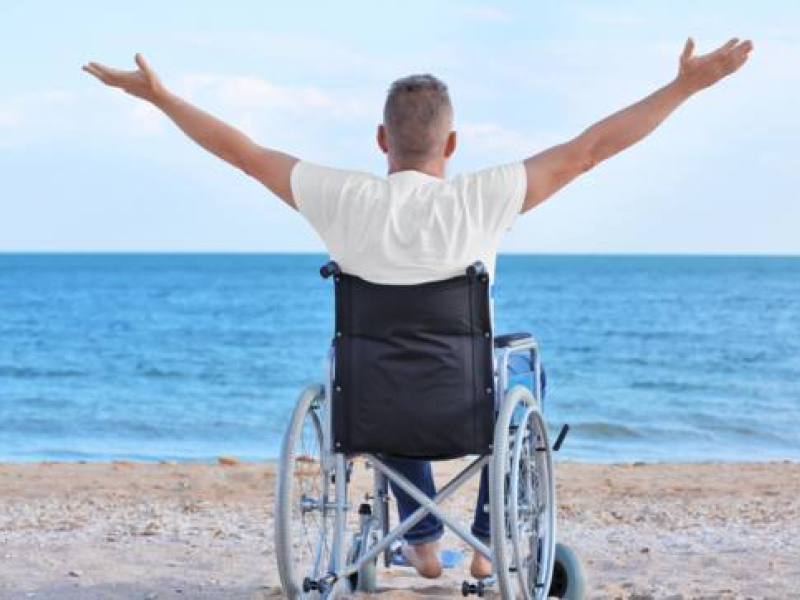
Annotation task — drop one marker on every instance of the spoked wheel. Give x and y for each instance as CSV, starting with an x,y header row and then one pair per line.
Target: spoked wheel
x,y
303,519
522,499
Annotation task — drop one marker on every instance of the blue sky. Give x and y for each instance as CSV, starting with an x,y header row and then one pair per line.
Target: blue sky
x,y
85,168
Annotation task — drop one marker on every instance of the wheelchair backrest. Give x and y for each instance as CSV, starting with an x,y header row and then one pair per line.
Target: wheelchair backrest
x,y
413,368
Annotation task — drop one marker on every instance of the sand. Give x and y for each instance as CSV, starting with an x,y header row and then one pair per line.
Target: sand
x,y
157,531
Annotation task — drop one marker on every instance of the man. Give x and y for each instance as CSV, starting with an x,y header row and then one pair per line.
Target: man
x,y
413,225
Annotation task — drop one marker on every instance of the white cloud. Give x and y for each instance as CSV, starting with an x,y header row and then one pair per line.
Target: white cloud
x,y
252,92
304,52
298,119
21,108
36,115
96,110
10,117
145,119
484,12
492,138
249,92
607,16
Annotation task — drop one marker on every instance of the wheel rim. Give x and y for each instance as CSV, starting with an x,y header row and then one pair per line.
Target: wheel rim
x,y
542,499
304,492
312,483
523,501
518,506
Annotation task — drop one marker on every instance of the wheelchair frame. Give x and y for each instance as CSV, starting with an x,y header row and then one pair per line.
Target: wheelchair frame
x,y
520,435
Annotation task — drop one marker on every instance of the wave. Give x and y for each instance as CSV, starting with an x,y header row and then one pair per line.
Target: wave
x,y
158,373
605,430
668,386
34,373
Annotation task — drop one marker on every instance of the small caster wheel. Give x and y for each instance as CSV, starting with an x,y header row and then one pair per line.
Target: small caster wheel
x,y
367,578
468,588
568,580
309,585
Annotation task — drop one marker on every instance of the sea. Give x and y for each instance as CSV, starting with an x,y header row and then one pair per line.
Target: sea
x,y
188,357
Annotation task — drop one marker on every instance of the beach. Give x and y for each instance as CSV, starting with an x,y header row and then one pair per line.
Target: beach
x,y
143,530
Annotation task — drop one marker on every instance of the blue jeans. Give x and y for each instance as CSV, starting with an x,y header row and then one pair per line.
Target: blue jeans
x,y
419,473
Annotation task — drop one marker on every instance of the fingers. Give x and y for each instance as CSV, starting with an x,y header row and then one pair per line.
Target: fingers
x,y
735,55
149,75
106,74
102,71
729,44
89,70
100,67
744,48
740,54
92,69
729,54
142,63
687,50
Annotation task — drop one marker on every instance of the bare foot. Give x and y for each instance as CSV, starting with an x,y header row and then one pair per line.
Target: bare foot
x,y
481,567
424,558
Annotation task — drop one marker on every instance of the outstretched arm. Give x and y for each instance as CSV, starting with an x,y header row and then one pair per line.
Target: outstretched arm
x,y
552,169
270,167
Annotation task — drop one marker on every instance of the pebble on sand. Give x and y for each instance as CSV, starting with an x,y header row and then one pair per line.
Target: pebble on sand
x,y
227,461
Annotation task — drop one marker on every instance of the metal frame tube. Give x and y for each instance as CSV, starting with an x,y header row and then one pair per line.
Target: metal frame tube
x,y
340,520
427,506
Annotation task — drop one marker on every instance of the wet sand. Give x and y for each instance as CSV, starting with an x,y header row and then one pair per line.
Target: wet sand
x,y
156,531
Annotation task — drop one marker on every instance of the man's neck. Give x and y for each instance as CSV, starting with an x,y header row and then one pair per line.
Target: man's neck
x,y
434,168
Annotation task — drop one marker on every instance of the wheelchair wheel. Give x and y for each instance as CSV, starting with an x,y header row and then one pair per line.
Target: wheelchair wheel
x,y
569,581
522,499
303,518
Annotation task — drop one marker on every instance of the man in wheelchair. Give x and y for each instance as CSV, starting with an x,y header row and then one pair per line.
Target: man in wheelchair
x,y
413,226
417,249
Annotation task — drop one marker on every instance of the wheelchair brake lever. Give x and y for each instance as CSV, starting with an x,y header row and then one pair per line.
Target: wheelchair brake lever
x,y
560,439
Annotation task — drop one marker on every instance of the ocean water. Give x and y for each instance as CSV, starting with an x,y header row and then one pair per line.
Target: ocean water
x,y
188,357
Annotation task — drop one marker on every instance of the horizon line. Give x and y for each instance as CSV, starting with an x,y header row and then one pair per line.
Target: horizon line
x,y
319,253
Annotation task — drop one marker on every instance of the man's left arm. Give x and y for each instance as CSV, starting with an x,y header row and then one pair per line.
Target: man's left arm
x,y
549,171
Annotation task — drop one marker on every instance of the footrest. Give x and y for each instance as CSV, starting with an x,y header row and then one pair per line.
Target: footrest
x,y
449,558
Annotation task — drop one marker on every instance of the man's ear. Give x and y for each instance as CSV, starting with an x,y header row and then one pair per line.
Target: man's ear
x,y
383,142
450,146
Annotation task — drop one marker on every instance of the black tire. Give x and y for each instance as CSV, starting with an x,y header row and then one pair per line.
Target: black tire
x,y
568,581
368,577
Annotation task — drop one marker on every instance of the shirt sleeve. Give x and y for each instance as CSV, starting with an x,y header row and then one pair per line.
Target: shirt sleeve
x,y
317,193
498,194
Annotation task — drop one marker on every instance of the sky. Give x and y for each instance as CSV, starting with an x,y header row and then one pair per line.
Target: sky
x,y
87,168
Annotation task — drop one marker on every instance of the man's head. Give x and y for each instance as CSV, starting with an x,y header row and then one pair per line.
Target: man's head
x,y
417,123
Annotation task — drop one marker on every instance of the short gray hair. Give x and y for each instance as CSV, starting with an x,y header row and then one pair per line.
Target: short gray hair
x,y
417,116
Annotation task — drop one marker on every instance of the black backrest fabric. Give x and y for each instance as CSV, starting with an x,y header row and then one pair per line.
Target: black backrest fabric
x,y
413,370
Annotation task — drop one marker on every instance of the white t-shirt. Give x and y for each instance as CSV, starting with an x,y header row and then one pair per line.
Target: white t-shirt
x,y
409,227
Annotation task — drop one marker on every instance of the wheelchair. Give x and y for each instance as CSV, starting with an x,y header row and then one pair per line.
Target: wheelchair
x,y
415,371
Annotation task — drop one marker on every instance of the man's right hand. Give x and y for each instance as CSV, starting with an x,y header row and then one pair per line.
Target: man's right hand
x,y
142,83
699,72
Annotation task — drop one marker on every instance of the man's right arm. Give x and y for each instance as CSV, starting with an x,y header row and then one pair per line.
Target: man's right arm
x,y
549,171
271,167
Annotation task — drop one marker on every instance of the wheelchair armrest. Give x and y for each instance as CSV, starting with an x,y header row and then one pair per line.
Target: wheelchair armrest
x,y
511,339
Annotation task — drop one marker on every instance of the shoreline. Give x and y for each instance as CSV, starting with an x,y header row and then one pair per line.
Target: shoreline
x,y
130,529
273,461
